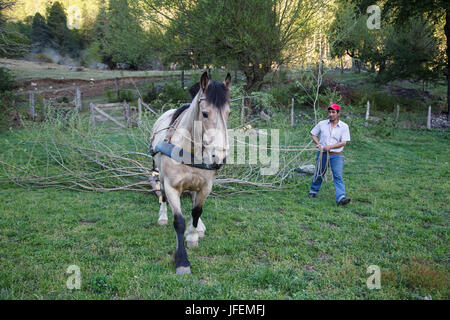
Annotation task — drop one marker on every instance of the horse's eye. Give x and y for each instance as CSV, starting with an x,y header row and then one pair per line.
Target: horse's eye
x,y
205,114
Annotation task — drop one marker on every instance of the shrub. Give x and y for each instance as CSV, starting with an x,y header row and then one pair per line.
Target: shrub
x,y
7,80
43,58
124,94
8,114
174,93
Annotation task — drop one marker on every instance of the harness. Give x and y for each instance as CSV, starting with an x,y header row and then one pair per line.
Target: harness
x,y
177,153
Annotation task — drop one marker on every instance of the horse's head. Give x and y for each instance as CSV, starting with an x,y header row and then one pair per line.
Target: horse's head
x,y
213,112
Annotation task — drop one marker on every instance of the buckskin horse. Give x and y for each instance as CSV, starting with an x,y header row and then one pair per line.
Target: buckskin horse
x,y
188,145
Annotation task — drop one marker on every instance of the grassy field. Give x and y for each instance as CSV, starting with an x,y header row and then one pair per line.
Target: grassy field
x,y
28,70
263,245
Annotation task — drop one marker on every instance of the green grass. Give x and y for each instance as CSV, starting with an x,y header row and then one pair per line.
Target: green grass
x,y
27,70
272,245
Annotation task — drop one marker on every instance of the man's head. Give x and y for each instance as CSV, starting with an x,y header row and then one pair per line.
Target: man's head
x,y
333,112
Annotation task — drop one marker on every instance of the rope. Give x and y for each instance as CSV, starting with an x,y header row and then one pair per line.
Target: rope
x,y
319,171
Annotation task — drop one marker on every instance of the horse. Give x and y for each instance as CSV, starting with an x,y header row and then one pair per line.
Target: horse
x,y
189,145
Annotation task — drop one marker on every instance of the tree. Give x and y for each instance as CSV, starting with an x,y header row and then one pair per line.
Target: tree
x,y
12,42
254,34
432,10
40,34
120,36
414,52
63,39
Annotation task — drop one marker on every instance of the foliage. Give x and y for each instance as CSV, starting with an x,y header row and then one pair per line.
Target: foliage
x,y
12,42
63,39
253,35
120,35
7,80
414,52
40,34
124,95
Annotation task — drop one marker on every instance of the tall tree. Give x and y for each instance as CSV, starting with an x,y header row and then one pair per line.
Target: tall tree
x,y
40,33
122,38
432,10
252,34
414,50
63,39
12,42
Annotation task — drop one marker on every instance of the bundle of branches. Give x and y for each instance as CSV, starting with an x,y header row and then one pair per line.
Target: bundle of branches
x,y
68,153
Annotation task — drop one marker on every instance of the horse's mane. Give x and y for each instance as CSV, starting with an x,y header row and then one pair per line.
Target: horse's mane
x,y
178,112
216,94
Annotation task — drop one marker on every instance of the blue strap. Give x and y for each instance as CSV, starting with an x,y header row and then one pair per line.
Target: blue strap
x,y
182,156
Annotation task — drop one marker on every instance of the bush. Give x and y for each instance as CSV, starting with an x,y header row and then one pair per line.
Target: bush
x,y
43,58
174,93
124,94
7,80
8,114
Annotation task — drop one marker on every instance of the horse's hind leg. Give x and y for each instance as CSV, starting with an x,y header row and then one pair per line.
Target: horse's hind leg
x,y
182,263
162,220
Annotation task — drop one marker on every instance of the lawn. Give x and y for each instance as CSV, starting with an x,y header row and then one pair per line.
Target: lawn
x,y
262,245
28,70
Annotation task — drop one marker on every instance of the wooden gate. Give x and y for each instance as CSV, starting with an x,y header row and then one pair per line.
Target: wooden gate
x,y
131,115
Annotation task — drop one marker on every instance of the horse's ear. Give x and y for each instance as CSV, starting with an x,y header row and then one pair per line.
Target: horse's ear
x,y
204,81
227,81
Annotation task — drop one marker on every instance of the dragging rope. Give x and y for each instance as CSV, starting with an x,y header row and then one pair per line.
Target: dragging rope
x,y
319,170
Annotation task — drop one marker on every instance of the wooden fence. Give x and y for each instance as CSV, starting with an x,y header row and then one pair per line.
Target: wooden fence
x,y
132,115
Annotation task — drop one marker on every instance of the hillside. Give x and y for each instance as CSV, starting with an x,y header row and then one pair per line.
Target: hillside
x,y
24,8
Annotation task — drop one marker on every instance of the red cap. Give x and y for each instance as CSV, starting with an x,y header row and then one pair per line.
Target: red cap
x,y
335,107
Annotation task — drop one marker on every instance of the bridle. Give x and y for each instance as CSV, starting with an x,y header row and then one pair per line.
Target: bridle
x,y
167,147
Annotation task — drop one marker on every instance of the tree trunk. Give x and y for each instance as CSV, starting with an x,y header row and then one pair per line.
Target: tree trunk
x,y
447,35
254,77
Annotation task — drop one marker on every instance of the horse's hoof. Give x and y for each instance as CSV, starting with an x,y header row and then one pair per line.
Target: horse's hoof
x,y
162,222
183,270
192,244
201,234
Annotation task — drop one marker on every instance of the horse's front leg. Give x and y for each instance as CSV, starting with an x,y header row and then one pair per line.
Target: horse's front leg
x,y
182,264
196,229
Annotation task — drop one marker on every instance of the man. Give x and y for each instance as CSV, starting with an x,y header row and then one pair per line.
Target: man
x,y
334,135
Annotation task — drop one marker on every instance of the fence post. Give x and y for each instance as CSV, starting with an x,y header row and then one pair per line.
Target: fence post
x,y
116,80
32,110
398,112
78,100
92,115
45,108
139,111
292,113
429,118
182,78
127,113
243,111
367,112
